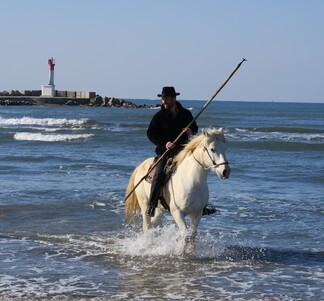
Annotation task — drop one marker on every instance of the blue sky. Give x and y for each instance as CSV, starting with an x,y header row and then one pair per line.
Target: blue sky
x,y
130,49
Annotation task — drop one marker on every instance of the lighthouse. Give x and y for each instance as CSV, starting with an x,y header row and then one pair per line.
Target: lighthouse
x,y
51,64
49,90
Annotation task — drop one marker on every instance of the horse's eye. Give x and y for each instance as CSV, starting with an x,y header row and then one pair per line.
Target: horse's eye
x,y
212,150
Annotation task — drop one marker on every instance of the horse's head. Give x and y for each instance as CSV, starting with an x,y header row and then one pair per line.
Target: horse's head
x,y
214,152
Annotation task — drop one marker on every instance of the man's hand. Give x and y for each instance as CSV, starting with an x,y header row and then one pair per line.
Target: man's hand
x,y
169,145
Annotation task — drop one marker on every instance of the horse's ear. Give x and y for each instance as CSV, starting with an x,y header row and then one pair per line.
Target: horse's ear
x,y
206,134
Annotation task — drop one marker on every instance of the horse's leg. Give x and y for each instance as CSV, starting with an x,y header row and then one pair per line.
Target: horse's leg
x,y
146,221
143,198
157,216
194,222
180,221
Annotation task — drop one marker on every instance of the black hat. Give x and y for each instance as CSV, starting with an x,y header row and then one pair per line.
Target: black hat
x,y
168,91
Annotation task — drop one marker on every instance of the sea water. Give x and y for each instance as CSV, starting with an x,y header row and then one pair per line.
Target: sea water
x,y
64,171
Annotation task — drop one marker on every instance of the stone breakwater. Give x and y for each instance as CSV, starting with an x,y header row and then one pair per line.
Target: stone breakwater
x,y
14,99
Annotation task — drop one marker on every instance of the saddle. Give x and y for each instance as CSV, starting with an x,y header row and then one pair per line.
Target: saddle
x,y
168,170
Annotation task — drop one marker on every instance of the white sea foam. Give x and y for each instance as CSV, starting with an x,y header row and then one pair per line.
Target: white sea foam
x,y
159,241
156,242
43,121
169,241
97,205
50,138
91,262
261,136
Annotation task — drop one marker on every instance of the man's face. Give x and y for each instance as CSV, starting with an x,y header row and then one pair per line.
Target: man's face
x,y
168,102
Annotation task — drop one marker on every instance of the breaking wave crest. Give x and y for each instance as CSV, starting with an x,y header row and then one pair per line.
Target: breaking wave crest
x,y
276,135
43,121
47,129
50,138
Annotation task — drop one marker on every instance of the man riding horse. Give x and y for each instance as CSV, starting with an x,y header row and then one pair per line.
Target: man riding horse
x,y
165,126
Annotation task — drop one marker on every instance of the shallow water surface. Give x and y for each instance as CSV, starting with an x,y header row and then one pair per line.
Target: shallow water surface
x,y
64,171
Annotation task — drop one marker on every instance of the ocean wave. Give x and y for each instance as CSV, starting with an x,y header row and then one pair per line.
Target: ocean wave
x,y
43,121
25,136
288,130
278,145
307,136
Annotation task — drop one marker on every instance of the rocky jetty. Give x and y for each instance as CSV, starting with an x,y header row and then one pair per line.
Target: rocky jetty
x,y
100,101
13,101
16,98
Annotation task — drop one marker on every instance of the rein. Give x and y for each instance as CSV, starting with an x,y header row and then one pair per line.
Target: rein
x,y
215,165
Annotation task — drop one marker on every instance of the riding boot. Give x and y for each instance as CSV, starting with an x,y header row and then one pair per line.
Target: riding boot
x,y
157,183
155,192
209,209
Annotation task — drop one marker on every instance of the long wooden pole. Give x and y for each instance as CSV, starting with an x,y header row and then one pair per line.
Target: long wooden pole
x,y
185,129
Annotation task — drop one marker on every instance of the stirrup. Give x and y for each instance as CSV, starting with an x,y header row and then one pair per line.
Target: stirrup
x,y
209,209
150,210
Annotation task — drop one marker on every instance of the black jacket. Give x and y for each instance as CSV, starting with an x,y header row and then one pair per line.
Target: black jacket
x,y
164,127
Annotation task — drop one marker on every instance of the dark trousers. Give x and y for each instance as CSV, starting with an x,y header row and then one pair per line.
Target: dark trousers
x,y
157,182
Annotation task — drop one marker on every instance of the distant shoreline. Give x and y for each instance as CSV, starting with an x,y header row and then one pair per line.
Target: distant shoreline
x,y
97,101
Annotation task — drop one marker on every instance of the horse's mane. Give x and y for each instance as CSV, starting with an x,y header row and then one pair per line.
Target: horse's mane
x,y
195,142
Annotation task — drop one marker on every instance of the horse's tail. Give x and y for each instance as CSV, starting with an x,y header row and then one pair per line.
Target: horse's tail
x,y
131,205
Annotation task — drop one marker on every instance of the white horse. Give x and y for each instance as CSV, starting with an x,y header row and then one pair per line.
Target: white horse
x,y
186,192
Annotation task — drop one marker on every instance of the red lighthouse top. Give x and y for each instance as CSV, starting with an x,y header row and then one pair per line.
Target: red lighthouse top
x,y
51,63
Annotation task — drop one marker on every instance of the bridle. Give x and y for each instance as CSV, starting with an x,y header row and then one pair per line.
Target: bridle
x,y
215,165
